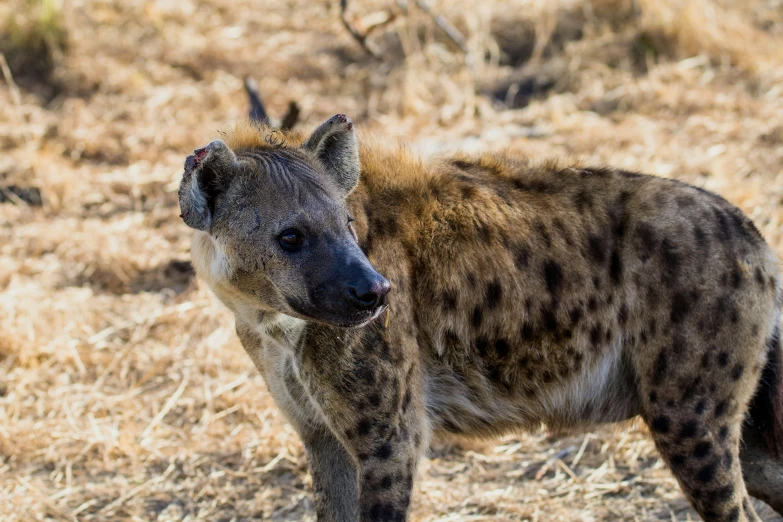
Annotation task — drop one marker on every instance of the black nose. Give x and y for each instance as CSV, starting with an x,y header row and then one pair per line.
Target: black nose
x,y
369,293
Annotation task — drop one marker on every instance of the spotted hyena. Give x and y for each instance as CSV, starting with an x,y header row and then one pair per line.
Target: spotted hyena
x,y
385,299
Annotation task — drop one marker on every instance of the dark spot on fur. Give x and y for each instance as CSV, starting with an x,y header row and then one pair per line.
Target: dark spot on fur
x,y
724,230
597,247
534,186
660,424
705,360
685,201
670,258
699,234
477,318
385,482
595,335
468,191
653,397
502,348
681,307
553,275
723,359
702,449
548,318
689,429
724,432
575,314
689,388
721,495
494,294
759,277
677,461
615,267
737,372
720,409
734,514
706,473
384,451
383,512
645,235
701,407
522,256
582,200
449,300
661,364
592,303
736,277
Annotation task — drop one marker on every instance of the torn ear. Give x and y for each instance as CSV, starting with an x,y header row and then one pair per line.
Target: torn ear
x,y
206,171
334,144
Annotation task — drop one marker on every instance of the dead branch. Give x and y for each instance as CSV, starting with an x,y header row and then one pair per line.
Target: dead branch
x,y
359,36
452,32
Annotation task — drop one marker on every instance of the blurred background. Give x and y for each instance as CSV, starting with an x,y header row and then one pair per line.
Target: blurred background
x,y
124,393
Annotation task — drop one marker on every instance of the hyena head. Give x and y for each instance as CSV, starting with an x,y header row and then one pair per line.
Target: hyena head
x,y
274,232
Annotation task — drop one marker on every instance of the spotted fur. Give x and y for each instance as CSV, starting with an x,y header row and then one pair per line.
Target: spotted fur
x,y
523,294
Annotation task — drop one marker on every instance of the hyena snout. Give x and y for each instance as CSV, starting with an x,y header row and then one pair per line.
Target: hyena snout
x,y
368,291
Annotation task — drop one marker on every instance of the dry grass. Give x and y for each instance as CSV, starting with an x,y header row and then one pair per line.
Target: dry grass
x,y
124,394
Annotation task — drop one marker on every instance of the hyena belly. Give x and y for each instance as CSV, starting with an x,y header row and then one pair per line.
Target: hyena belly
x,y
479,398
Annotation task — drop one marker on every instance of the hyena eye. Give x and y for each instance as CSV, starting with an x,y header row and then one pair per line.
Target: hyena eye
x,y
291,239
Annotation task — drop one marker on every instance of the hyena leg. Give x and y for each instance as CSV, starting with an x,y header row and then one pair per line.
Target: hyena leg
x,y
375,409
332,467
763,472
707,467
334,477
762,437
695,411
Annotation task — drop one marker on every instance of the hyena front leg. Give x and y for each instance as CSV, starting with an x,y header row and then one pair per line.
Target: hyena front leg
x,y
374,406
333,469
334,477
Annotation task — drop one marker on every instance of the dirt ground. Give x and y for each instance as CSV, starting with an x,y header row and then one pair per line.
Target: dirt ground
x,y
124,393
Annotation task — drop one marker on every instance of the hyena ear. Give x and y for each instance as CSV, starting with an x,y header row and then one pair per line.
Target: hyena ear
x,y
206,172
334,144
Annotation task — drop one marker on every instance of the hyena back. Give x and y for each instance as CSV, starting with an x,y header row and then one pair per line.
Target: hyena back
x,y
513,295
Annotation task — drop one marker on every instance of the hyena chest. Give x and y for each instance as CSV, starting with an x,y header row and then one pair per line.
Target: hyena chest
x,y
475,392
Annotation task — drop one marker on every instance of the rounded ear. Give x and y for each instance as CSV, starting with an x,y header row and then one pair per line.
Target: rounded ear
x,y
334,144
206,172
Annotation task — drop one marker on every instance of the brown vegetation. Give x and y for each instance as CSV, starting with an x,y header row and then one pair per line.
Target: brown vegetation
x,y
124,393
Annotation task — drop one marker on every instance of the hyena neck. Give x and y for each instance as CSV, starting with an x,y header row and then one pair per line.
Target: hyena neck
x,y
272,326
